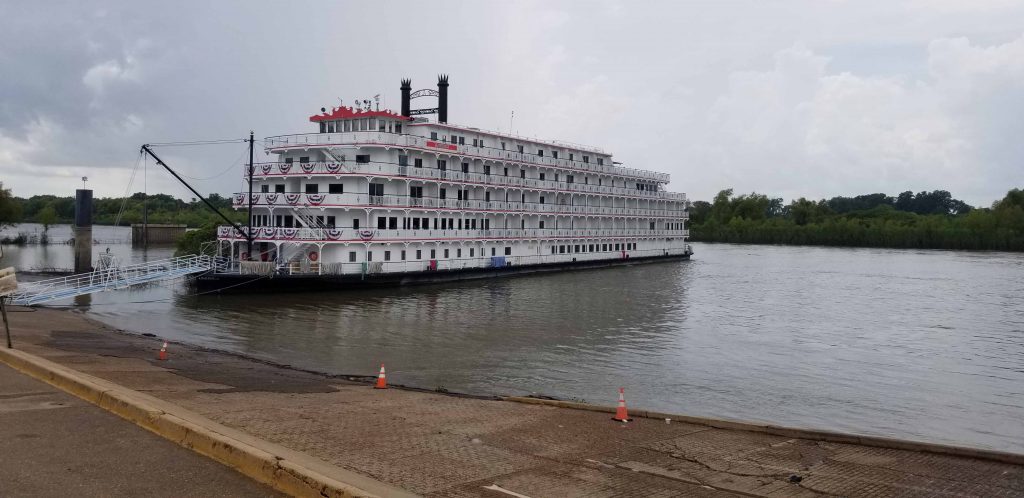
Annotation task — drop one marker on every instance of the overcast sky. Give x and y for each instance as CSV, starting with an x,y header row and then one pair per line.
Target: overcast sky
x,y
797,98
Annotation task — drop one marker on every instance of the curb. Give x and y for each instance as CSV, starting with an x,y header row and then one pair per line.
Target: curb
x,y
286,470
794,432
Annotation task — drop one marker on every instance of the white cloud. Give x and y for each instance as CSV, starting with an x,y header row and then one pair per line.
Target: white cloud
x,y
798,129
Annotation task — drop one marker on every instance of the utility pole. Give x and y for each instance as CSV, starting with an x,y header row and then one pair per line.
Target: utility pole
x,y
249,235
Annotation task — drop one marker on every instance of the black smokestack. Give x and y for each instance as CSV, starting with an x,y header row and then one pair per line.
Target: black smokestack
x,y
406,92
442,98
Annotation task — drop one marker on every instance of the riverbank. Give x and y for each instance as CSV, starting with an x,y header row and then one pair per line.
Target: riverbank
x,y
444,445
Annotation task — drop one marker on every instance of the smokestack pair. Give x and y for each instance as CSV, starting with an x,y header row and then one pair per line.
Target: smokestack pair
x,y
442,98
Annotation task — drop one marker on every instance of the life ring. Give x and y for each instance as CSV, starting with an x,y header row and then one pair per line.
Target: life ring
x,y
313,256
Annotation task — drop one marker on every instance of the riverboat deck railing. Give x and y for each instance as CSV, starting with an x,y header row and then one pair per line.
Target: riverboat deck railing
x,y
270,199
276,170
494,154
285,234
111,277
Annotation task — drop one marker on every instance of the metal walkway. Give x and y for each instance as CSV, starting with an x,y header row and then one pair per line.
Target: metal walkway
x,y
113,277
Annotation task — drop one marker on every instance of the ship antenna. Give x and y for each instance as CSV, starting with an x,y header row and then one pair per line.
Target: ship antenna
x,y
510,118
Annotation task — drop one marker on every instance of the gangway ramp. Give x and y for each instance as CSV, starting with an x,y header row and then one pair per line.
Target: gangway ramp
x,y
112,278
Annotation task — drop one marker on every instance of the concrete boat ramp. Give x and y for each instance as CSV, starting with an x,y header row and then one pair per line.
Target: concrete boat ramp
x,y
310,434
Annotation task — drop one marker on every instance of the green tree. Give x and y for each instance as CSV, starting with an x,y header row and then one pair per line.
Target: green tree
x,y
10,209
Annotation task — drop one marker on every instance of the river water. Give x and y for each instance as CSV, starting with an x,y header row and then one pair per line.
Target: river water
x,y
925,345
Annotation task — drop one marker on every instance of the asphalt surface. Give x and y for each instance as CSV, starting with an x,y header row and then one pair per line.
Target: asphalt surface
x,y
54,444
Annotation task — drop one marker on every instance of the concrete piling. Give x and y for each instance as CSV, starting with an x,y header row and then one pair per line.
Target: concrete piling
x,y
83,231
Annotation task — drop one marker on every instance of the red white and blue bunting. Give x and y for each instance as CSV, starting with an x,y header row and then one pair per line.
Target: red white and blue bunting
x,y
315,199
291,198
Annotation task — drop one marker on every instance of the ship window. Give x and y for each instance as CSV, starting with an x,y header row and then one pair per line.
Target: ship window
x,y
336,188
387,255
472,252
419,254
522,173
403,160
576,248
348,125
652,225
355,223
554,249
503,146
487,169
264,188
289,221
330,126
382,222
493,251
561,249
458,253
506,171
288,160
398,128
554,154
542,199
591,247
363,158
520,147
403,254
540,152
312,188
351,256
556,177
381,125
586,159
465,167
426,223
364,124
462,140
444,193
568,178
418,162
542,176
433,135
304,159
600,161
393,223
330,221
540,224
475,142
369,255
487,196
323,127
416,192
433,254
442,164
415,223
446,254
508,251
604,247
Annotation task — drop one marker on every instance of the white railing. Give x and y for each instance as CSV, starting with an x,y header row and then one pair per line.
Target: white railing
x,y
460,263
359,138
115,278
328,235
277,169
263,199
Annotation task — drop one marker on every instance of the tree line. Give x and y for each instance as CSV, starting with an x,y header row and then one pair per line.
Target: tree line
x,y
925,220
156,208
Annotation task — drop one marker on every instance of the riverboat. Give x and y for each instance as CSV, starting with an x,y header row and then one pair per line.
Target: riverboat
x,y
375,197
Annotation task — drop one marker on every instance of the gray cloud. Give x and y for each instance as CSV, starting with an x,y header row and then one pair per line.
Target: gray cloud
x,y
802,98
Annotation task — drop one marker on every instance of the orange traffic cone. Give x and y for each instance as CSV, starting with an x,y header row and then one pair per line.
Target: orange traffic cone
x,y
382,382
163,352
620,412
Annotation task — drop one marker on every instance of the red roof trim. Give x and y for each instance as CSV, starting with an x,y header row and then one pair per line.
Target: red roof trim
x,y
348,112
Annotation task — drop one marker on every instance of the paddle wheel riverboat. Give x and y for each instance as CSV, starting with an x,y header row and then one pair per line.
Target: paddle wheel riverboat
x,y
378,197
